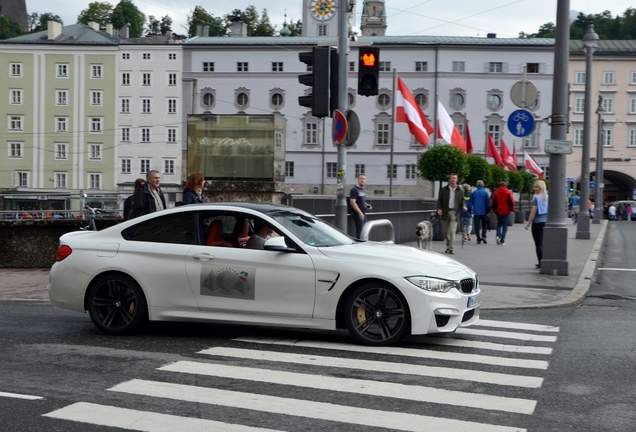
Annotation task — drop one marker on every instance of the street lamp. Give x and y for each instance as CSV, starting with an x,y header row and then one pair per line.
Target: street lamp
x,y
590,42
598,196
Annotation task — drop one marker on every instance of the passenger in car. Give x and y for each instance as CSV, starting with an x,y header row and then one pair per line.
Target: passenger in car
x,y
261,233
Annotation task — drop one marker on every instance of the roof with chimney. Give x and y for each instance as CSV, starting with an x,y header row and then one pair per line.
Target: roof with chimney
x,y
76,34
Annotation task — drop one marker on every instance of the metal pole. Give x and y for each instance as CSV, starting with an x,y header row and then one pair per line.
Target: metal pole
x,y
555,233
343,104
598,197
392,136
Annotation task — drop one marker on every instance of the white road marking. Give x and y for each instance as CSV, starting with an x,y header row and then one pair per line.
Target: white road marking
x,y
506,335
407,352
303,408
516,325
144,421
464,343
370,365
20,396
617,269
357,386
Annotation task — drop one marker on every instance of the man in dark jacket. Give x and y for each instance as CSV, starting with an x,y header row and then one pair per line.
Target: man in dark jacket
x,y
449,204
503,203
149,199
481,210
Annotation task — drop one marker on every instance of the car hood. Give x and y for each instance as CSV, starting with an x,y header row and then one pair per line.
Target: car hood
x,y
410,260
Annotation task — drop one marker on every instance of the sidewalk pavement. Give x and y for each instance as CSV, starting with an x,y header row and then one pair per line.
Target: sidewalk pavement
x,y
507,275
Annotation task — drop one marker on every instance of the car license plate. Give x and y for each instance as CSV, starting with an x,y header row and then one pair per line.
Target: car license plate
x,y
474,300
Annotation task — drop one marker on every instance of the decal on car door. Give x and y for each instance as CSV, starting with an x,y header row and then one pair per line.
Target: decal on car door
x,y
224,281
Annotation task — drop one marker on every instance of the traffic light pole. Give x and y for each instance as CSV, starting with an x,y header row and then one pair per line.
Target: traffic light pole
x,y
343,105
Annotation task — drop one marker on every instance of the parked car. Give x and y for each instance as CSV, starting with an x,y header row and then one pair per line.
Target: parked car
x,y
190,263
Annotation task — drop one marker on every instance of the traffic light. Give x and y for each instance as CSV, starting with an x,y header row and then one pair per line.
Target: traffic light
x,y
333,80
318,80
368,71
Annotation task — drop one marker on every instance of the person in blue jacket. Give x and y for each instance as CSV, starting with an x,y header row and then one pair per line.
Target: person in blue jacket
x,y
480,201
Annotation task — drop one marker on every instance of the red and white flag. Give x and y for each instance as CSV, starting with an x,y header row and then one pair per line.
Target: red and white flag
x,y
469,141
531,165
507,160
447,129
491,151
409,112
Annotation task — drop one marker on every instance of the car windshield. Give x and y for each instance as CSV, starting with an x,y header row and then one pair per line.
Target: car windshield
x,y
310,229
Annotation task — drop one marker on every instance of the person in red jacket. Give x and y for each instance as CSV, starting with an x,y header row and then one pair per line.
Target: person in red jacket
x,y
503,203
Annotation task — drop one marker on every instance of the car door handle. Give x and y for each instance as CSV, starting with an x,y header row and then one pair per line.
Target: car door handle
x,y
203,256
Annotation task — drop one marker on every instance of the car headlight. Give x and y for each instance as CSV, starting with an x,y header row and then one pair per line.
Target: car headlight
x,y
432,284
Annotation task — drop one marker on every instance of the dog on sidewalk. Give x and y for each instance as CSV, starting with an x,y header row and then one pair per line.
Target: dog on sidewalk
x,y
424,233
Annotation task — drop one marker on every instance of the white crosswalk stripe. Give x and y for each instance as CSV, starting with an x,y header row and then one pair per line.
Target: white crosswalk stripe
x,y
471,370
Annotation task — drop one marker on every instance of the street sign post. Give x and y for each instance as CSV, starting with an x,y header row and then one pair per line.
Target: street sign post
x,y
339,127
521,123
558,146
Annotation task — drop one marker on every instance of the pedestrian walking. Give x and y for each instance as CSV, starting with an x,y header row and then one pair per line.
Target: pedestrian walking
x,y
629,211
503,203
449,204
358,204
538,217
128,204
480,201
466,215
612,212
149,199
193,189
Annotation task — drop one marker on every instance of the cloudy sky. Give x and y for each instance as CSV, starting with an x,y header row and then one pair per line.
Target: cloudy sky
x,y
404,17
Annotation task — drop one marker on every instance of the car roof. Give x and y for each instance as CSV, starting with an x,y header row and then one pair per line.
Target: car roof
x,y
259,207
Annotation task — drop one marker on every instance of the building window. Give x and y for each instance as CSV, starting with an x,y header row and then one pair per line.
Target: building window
x,y
172,79
94,181
125,56
125,106
494,101
242,100
385,66
60,151
421,99
391,171
96,71
289,169
15,123
530,141
60,180
144,165
277,66
608,137
95,151
632,80
632,105
242,67
61,97
459,66
168,166
311,131
125,78
62,70
208,100
411,171
495,67
360,169
146,56
96,98
20,179
96,124
579,77
15,97
172,135
494,129
146,78
457,100
15,69
61,124
126,166
579,105
382,132
208,66
421,66
384,100
278,140
632,138
352,66
578,137
172,56
172,106
532,68
332,169
15,150
125,134
608,105
145,135
322,29
609,78
145,106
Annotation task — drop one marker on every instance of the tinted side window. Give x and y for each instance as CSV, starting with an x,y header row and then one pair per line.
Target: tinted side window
x,y
175,228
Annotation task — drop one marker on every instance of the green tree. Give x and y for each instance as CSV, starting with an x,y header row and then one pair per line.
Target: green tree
x,y
497,175
9,28
441,160
154,26
200,17
296,28
127,13
40,22
166,24
478,170
264,27
96,11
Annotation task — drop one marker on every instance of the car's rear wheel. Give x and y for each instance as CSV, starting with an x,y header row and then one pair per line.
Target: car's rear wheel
x,y
377,314
116,304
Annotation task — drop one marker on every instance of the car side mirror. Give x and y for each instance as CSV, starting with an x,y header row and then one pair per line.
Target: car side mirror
x,y
277,244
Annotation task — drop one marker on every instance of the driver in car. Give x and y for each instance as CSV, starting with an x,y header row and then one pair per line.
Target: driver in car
x,y
261,232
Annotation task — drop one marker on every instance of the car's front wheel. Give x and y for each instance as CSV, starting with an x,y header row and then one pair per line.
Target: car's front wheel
x,y
116,304
377,314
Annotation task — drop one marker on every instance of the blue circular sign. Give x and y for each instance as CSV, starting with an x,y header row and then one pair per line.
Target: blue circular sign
x,y
521,123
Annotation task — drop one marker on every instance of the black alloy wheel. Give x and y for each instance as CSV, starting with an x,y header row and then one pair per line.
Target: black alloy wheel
x,y
116,304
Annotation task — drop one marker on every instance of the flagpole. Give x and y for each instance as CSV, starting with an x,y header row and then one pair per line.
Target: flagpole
x,y
392,136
